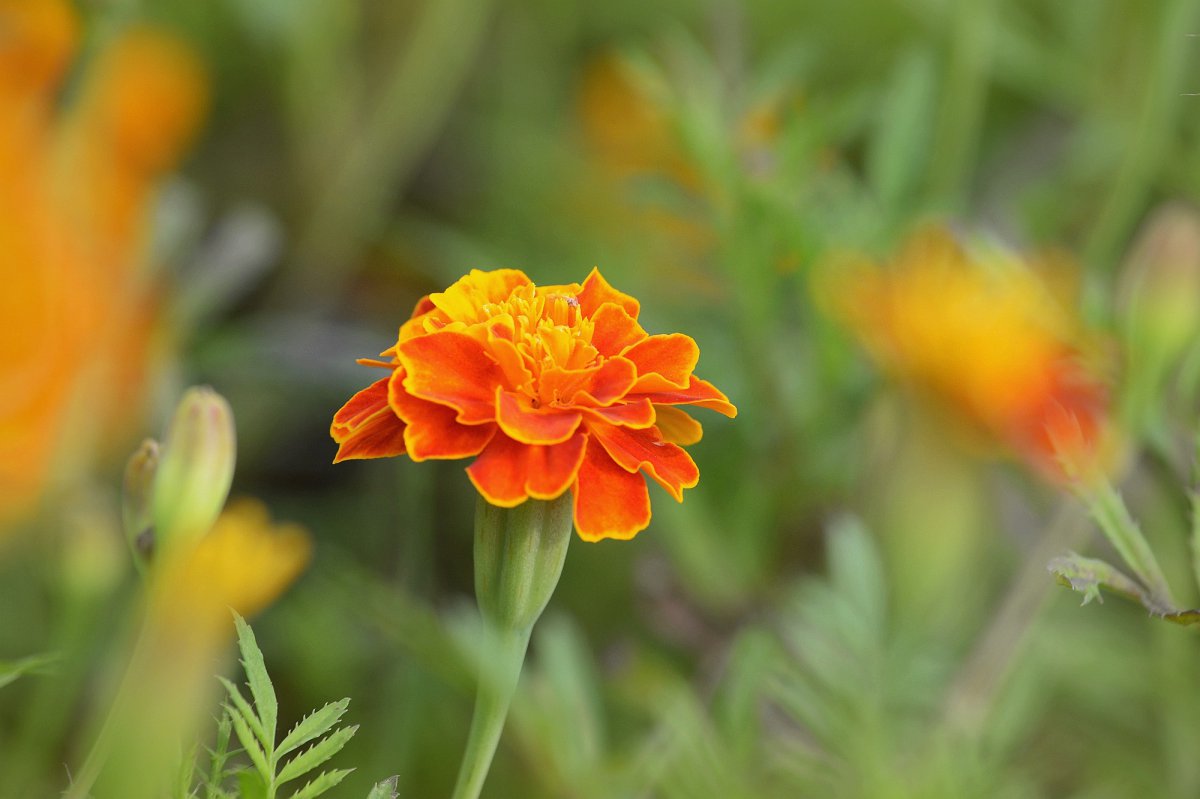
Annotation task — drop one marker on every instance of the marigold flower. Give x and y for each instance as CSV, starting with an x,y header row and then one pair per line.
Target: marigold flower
x,y
980,334
550,388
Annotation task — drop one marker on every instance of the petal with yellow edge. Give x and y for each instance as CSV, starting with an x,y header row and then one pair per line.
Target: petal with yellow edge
x,y
431,431
677,426
367,427
609,501
522,422
596,291
509,472
635,450
698,392
452,369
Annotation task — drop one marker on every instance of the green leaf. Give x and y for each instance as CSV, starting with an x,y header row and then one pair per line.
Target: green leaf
x,y
312,726
220,754
34,664
895,157
246,712
256,675
316,754
385,789
1089,575
251,745
325,781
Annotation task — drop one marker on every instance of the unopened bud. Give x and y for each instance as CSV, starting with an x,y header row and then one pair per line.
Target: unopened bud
x,y
137,499
195,468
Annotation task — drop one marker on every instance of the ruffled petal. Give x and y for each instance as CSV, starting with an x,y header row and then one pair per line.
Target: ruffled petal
x,y
596,291
609,501
638,415
635,450
611,382
698,392
432,431
614,330
464,301
508,472
367,427
676,426
663,362
529,425
452,369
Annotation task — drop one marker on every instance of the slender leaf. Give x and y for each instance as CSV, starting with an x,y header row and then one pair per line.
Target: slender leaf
x,y
34,664
325,781
256,675
247,713
312,726
251,745
251,786
316,754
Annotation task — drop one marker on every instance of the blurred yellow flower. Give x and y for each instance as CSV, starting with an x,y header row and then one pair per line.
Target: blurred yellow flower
x,y
81,316
979,334
243,563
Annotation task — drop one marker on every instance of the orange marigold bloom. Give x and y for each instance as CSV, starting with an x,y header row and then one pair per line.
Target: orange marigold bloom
x,y
982,335
552,387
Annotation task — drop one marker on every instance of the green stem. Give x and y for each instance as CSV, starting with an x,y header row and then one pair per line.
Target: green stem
x,y
505,657
519,555
1111,514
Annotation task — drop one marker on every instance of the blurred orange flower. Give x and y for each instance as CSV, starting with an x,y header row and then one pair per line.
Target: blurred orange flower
x,y
73,205
552,387
982,335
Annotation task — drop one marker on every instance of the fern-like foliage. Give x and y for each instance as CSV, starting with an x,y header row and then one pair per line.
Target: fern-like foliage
x,y
312,742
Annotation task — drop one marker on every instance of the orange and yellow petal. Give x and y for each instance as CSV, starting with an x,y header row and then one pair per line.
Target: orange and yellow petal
x,y
452,369
645,450
611,382
521,421
596,291
664,362
698,392
508,472
367,427
677,426
465,299
610,502
638,414
431,430
614,330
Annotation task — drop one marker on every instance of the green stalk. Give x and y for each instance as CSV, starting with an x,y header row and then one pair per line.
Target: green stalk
x,y
1111,514
519,555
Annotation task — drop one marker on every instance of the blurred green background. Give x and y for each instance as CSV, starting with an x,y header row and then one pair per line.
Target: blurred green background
x,y
851,603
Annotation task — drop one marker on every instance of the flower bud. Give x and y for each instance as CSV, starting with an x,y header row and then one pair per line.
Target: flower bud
x,y
195,469
519,555
1160,301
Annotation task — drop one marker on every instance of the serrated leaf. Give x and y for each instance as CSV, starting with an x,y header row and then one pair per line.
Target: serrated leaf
x,y
312,726
251,745
385,789
324,781
1089,575
256,675
34,664
242,707
316,754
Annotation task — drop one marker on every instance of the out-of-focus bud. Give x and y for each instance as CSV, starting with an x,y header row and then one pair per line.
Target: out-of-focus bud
x,y
137,500
195,469
1160,303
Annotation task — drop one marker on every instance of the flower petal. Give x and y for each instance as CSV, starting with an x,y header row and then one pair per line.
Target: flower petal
x,y
676,426
508,472
367,427
609,501
663,362
698,392
614,329
432,431
529,425
611,382
596,291
464,301
638,415
453,369
634,450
